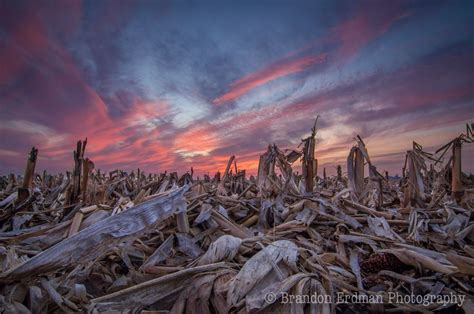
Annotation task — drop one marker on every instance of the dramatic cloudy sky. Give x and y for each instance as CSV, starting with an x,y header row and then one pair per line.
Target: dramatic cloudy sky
x,y
166,85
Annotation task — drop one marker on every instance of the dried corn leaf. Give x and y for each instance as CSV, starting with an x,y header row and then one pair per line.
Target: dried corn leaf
x,y
259,301
152,291
98,238
419,260
258,266
223,249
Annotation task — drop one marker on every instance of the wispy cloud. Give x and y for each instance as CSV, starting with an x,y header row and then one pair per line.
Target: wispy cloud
x,y
152,93
269,73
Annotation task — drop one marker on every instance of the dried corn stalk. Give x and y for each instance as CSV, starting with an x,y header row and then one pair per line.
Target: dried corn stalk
x,y
370,193
24,191
267,179
310,163
97,239
123,246
78,163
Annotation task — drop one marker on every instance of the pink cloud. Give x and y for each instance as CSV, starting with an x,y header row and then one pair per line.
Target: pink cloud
x,y
351,36
363,27
269,73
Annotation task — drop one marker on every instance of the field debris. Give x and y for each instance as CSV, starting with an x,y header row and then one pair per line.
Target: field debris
x,y
89,241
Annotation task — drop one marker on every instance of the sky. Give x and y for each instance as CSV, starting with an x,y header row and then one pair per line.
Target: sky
x,y
166,85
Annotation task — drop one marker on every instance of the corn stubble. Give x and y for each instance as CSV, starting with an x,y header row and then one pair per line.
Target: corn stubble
x,y
89,241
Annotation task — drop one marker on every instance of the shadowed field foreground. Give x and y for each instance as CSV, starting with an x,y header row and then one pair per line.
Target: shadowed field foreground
x,y
282,242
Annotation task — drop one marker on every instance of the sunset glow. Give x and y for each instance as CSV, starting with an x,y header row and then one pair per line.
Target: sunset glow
x,y
172,85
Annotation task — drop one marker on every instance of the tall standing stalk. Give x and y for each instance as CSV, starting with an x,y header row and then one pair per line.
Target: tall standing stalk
x,y
310,164
456,183
24,191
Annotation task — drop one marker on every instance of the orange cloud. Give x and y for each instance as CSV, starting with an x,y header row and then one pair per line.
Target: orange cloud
x,y
198,140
